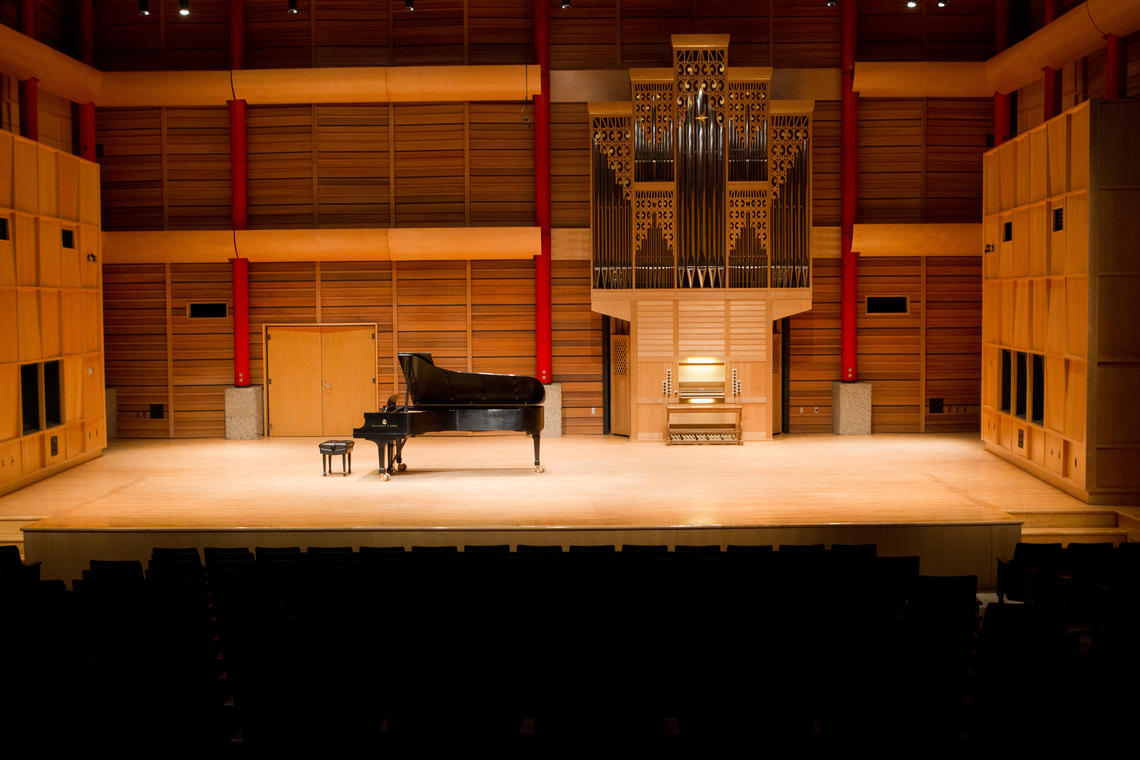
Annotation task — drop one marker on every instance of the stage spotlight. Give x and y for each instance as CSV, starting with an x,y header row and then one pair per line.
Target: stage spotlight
x,y
293,6
912,3
565,4
409,5
942,3
144,7
832,3
183,7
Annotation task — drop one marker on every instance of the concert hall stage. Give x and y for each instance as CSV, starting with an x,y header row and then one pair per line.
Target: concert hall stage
x,y
939,496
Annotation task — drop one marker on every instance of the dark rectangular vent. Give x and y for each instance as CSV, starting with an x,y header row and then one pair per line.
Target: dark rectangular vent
x,y
1006,379
157,411
1058,219
68,238
936,406
1021,386
216,310
1037,414
1007,232
3,228
887,305
30,397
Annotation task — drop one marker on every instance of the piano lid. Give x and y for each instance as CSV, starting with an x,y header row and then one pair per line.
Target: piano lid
x,y
429,385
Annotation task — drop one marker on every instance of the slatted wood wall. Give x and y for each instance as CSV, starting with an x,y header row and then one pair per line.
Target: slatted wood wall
x,y
933,351
334,166
476,316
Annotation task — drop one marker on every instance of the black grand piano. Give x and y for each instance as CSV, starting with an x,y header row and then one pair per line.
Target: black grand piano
x,y
441,399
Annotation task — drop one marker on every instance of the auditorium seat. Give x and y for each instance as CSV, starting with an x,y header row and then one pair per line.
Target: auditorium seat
x,y
645,548
538,549
487,549
13,570
592,548
328,550
381,550
435,549
1027,557
700,549
863,549
748,548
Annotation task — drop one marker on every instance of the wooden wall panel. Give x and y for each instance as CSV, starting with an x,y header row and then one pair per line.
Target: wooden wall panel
x,y
431,313
814,346
962,31
200,40
500,31
197,151
134,334
890,160
956,134
126,41
429,165
889,346
202,350
569,165
275,38
351,33
280,166
432,35
826,163
501,165
584,36
953,342
577,347
751,43
353,179
646,26
805,34
130,143
502,317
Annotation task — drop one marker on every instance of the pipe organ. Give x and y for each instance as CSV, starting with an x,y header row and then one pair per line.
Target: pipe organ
x,y
701,235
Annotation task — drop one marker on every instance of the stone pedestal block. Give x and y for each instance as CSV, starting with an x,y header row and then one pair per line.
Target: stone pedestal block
x,y
552,421
112,410
851,408
243,413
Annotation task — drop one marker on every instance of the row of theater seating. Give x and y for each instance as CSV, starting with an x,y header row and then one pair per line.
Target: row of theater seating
x,y
680,650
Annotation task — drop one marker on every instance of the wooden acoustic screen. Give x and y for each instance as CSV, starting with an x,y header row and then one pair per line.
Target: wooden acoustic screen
x,y
360,165
51,348
1059,343
472,316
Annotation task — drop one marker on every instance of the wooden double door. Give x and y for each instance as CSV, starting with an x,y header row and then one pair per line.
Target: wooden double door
x,y
320,379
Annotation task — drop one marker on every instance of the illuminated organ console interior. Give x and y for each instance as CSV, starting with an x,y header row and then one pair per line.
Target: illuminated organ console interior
x,y
701,228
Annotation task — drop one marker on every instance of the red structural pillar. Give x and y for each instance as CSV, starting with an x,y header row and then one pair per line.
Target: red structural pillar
x,y
30,108
29,20
238,200
240,269
847,310
1052,76
1115,67
542,297
87,131
1002,129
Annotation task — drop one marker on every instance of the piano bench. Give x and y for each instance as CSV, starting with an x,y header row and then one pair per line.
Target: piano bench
x,y
329,449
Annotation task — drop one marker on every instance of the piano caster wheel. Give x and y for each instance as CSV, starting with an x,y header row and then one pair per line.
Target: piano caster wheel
x,y
401,467
385,476
539,468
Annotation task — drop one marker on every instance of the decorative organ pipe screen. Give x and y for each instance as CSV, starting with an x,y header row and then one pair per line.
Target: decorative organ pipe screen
x,y
701,180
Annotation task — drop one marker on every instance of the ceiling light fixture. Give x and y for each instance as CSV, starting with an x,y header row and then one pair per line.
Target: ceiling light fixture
x,y
942,3
565,4
832,3
293,6
912,3
183,7
144,7
409,5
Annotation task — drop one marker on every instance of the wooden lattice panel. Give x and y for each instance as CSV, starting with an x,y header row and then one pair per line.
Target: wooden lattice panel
x,y
788,135
747,207
653,208
619,354
613,137
747,109
652,108
696,70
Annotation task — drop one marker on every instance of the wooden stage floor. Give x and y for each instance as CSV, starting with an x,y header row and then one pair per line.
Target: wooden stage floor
x,y
941,496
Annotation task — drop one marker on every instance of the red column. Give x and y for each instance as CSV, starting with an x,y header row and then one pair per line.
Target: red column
x,y
29,21
87,131
847,310
30,108
542,297
1052,76
1001,99
240,269
238,200
1115,67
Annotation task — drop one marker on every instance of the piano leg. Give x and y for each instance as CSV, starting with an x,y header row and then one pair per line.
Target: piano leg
x,y
400,466
537,464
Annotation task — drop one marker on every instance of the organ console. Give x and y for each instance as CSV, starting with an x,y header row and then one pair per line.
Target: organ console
x,y
438,399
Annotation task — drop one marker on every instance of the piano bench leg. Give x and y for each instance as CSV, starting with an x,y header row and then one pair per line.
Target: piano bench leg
x,y
324,464
537,463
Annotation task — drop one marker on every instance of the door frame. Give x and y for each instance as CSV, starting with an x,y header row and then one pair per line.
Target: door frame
x,y
265,358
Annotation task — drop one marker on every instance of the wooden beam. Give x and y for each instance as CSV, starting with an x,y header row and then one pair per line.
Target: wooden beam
x,y
918,239
367,244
